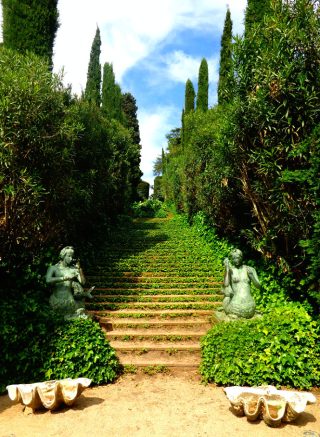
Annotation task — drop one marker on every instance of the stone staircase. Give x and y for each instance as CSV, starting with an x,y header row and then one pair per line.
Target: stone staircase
x,y
156,290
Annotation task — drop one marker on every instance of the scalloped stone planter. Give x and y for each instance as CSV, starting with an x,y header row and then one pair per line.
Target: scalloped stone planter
x,y
49,394
267,403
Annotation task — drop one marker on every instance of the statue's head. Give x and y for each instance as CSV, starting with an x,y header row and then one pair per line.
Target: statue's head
x,y
236,257
66,251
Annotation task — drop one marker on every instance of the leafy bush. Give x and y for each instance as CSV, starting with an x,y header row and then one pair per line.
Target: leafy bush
x,y
37,346
26,325
79,349
221,246
36,153
149,208
281,348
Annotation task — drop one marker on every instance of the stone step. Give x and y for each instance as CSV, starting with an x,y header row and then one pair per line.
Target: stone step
x,y
156,336
157,291
195,324
148,274
153,305
151,346
155,297
153,365
162,268
166,313
119,281
158,355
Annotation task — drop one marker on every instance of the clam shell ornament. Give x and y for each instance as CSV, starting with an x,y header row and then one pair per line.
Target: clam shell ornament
x,y
267,403
49,394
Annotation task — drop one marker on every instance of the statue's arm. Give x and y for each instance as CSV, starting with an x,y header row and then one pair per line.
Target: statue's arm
x,y
52,279
254,277
80,275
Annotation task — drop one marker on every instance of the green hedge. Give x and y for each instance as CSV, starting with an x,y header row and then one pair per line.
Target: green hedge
x,y
281,348
36,346
78,348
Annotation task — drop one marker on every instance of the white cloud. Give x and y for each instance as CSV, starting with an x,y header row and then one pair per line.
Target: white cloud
x,y
181,66
154,125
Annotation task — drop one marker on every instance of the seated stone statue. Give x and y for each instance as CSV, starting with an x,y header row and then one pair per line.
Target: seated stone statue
x,y
238,301
67,280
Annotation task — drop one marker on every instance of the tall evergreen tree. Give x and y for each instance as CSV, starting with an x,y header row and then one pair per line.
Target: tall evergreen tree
x,y
30,25
129,109
203,86
189,97
226,79
130,120
117,112
111,94
93,85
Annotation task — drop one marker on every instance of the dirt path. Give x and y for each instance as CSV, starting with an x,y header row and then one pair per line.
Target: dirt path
x,y
141,406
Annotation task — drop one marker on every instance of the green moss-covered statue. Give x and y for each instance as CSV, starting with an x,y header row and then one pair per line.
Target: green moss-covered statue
x,y
238,301
67,280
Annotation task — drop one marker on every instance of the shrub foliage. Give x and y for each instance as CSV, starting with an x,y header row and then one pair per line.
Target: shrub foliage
x,y
78,348
281,348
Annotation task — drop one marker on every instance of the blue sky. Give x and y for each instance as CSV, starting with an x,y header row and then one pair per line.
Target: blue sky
x,y
154,46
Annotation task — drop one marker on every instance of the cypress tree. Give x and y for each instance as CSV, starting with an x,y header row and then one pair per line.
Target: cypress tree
x,y
108,89
203,86
189,97
129,109
93,85
226,79
117,112
130,120
30,25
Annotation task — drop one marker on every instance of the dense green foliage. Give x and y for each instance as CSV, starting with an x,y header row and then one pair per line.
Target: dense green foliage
x,y
37,137
143,190
26,325
189,97
130,120
93,85
111,94
60,160
281,348
36,346
203,86
251,163
226,79
157,188
149,208
130,109
30,25
68,169
78,348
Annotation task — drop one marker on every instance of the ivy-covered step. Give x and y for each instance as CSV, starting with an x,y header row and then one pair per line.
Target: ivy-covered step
x,y
157,286
156,297
155,313
177,325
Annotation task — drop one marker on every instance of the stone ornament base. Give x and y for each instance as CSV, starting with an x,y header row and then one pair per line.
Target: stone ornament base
x,y
267,403
49,394
221,316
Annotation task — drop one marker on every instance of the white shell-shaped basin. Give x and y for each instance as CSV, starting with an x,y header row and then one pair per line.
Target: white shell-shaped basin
x,y
49,394
268,403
